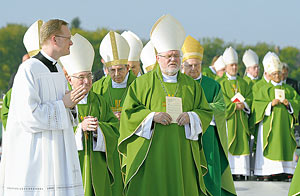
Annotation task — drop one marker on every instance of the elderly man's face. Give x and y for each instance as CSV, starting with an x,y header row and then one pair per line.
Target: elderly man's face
x,y
276,76
192,67
134,66
232,69
169,62
285,73
253,70
118,72
84,78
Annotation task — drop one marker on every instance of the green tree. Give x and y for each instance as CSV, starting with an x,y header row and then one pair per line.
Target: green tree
x,y
75,23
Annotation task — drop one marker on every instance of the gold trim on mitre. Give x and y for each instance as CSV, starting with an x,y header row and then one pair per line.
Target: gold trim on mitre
x,y
192,49
113,45
150,67
116,62
33,52
40,23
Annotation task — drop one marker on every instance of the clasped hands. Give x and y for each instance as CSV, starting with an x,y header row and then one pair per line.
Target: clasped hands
x,y
277,102
90,123
165,119
240,105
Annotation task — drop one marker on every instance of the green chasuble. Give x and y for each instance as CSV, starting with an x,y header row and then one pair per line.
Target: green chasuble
x,y
208,72
237,120
101,171
113,96
215,143
5,108
295,188
249,81
168,163
279,142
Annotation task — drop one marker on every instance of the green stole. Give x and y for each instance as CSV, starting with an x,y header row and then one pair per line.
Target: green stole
x,y
101,173
113,96
295,188
208,73
215,145
168,163
279,142
249,81
237,120
5,108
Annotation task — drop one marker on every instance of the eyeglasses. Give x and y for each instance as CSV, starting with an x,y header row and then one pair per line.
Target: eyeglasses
x,y
81,78
175,56
69,38
187,65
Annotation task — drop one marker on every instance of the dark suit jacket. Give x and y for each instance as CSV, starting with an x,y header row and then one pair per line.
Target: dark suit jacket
x,y
294,84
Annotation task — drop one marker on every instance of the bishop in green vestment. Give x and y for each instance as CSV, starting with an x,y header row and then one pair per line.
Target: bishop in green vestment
x,y
238,99
5,108
251,61
218,180
276,107
97,132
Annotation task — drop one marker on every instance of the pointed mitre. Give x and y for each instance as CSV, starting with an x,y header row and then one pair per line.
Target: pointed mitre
x,y
250,58
114,49
81,57
148,57
219,64
271,63
167,34
192,49
135,44
230,56
31,38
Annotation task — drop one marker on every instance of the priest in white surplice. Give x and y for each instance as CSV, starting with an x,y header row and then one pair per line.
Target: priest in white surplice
x,y
39,151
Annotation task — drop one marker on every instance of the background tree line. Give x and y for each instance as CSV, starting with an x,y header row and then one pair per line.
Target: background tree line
x,y
12,50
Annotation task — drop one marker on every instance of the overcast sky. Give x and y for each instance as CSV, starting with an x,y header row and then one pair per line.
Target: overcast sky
x,y
271,21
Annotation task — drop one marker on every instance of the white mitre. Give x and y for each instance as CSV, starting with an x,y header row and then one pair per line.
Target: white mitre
x,y
230,56
219,64
272,63
135,44
148,57
114,49
81,57
250,58
167,34
31,38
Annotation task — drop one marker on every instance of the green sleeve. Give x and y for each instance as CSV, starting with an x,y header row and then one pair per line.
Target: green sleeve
x,y
5,108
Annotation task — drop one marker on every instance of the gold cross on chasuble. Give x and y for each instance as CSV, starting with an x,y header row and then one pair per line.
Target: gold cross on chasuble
x,y
117,107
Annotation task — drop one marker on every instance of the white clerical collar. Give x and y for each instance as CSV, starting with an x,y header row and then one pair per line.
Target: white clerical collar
x,y
120,85
139,74
276,84
266,79
251,77
284,81
84,100
199,77
48,57
230,77
213,70
170,79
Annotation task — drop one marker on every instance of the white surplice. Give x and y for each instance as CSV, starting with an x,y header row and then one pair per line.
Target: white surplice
x,y
39,150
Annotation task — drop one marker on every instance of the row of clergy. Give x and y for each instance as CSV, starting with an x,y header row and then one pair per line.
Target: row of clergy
x,y
179,134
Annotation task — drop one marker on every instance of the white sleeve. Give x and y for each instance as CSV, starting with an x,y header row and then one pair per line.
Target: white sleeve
x,y
213,121
78,137
268,109
99,145
246,108
194,128
290,109
144,130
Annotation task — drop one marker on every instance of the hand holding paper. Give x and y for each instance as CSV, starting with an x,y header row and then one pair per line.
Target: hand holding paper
x,y
237,98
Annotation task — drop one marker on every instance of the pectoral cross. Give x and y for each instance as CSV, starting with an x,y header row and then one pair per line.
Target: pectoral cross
x,y
117,107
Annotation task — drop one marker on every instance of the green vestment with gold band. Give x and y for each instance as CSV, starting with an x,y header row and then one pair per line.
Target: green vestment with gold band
x,y
101,171
237,120
218,180
5,108
279,142
168,163
113,96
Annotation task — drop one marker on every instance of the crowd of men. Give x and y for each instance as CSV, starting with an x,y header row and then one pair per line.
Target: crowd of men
x,y
169,129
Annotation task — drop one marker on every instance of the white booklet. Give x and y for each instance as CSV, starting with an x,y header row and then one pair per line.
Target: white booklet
x,y
174,107
237,98
280,94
